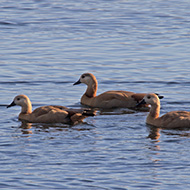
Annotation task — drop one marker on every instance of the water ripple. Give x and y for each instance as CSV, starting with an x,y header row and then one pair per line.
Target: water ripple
x,y
102,82
12,23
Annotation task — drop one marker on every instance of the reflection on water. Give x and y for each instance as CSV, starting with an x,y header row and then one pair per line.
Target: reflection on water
x,y
26,128
178,133
154,133
30,128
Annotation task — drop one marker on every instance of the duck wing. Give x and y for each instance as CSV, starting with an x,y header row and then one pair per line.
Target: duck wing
x,y
46,109
114,99
60,114
138,96
60,107
176,119
109,95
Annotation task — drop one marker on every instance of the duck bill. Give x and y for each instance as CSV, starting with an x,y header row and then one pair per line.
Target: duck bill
x,y
142,102
78,82
12,104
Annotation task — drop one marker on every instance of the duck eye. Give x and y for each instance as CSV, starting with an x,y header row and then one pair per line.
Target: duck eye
x,y
83,76
148,97
18,99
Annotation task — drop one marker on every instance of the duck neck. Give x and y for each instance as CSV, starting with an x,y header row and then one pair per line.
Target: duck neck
x,y
27,108
92,89
154,111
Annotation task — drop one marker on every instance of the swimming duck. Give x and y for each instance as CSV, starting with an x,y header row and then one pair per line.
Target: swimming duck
x,y
109,99
48,114
170,120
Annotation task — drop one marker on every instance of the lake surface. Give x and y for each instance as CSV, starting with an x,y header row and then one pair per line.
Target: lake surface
x,y
140,46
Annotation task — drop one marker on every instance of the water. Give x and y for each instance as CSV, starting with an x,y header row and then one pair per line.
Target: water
x,y
140,46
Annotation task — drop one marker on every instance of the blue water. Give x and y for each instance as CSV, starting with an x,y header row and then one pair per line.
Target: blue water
x,y
140,46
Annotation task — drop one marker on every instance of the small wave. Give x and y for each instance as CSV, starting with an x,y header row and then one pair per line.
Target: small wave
x,y
179,103
34,82
7,23
145,82
102,82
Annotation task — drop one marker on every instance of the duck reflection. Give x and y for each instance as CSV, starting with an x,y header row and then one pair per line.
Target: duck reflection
x,y
26,128
154,133
31,128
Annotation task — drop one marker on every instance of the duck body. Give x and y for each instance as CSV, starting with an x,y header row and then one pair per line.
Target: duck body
x,y
113,99
170,120
45,114
109,99
48,114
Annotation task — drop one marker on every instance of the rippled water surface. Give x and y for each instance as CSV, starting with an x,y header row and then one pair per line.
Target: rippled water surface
x,y
140,46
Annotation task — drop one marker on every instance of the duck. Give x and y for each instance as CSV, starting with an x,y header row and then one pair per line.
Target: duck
x,y
170,120
48,114
109,99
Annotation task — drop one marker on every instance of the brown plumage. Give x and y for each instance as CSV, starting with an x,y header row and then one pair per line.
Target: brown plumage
x,y
109,99
170,120
48,114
